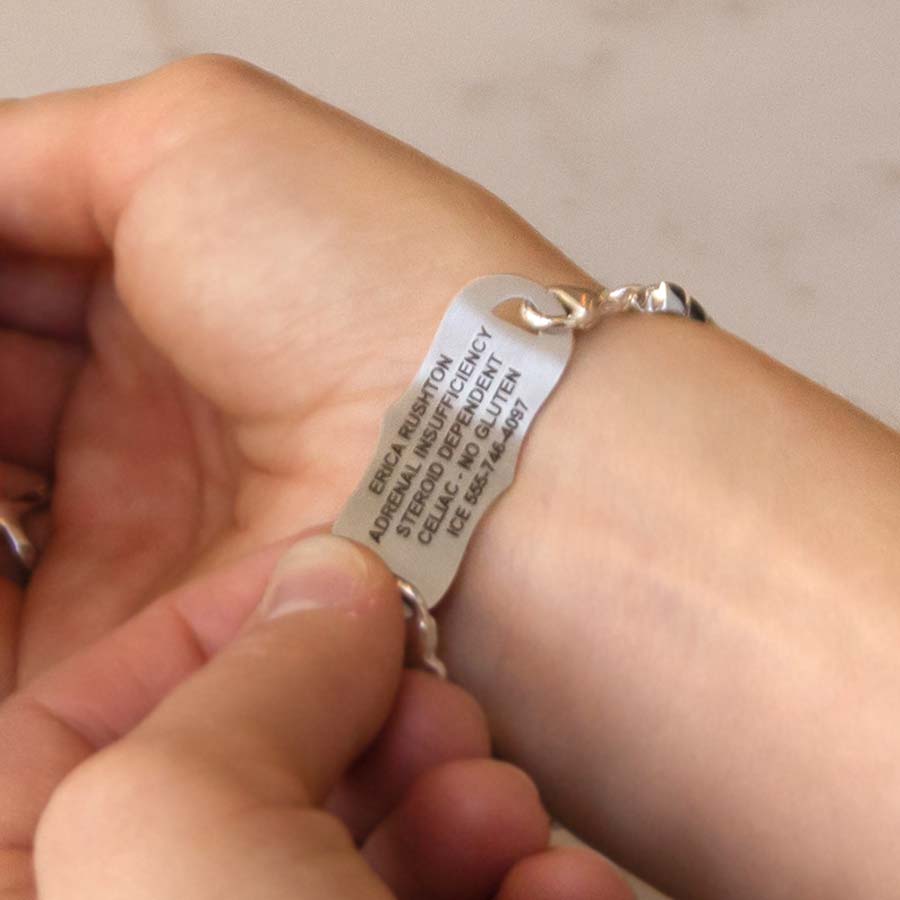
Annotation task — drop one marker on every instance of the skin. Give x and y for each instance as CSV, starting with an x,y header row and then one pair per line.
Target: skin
x,y
693,651
146,702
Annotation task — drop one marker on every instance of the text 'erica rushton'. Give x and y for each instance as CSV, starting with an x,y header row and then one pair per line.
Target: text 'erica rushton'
x,y
454,432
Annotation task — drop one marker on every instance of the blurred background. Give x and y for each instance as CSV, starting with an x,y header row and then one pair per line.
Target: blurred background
x,y
749,149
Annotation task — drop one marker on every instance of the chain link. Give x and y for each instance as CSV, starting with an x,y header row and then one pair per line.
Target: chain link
x,y
585,307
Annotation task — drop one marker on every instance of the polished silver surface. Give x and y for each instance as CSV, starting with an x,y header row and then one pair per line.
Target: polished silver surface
x,y
585,307
422,632
12,514
450,444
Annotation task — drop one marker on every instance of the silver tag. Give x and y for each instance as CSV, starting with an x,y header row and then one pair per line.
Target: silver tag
x,y
449,445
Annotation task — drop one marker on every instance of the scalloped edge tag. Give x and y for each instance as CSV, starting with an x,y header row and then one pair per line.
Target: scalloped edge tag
x,y
450,444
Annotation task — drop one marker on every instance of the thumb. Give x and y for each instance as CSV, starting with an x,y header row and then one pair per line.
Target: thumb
x,y
309,681
214,792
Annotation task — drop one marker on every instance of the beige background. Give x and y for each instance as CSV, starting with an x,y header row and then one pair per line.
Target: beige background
x,y
749,149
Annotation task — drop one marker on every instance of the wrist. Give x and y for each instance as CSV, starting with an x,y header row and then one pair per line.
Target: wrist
x,y
664,588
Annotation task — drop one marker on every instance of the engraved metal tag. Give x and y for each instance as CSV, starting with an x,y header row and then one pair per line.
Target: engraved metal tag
x,y
450,444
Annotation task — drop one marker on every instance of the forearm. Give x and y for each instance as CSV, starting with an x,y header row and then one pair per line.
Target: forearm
x,y
680,616
683,617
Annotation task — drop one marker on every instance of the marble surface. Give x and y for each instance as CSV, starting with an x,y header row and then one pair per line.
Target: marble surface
x,y
749,149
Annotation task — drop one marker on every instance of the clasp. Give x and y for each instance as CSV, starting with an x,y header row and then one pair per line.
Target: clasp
x,y
585,307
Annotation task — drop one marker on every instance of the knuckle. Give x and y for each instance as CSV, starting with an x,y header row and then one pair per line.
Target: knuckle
x,y
211,71
183,99
198,102
197,94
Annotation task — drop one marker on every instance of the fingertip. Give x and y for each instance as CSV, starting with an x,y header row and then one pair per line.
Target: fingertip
x,y
477,806
328,572
459,830
570,873
433,722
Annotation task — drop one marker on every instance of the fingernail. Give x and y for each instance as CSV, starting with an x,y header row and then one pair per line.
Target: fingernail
x,y
322,572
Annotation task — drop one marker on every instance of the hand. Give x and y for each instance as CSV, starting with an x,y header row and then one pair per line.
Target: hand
x,y
201,738
213,287
187,428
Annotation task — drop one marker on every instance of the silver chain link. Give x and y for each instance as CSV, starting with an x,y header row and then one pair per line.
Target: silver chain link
x,y
585,307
